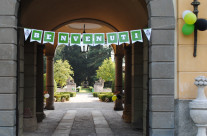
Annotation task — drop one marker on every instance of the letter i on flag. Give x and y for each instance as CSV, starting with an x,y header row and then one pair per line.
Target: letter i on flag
x,y
136,36
36,35
49,37
148,33
27,32
112,38
63,38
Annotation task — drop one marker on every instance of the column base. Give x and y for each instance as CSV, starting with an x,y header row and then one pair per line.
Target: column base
x,y
118,105
40,116
49,107
30,124
127,113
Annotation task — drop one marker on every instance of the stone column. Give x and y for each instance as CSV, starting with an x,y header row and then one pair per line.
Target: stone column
x,y
39,85
30,120
50,83
127,113
118,81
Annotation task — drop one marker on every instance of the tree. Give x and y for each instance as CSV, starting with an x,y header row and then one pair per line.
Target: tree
x,y
84,64
107,70
62,71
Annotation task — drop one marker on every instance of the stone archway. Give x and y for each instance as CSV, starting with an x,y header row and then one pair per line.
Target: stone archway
x,y
161,68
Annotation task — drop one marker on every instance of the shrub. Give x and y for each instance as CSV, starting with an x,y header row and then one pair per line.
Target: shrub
x,y
90,88
72,94
58,97
103,96
61,96
95,94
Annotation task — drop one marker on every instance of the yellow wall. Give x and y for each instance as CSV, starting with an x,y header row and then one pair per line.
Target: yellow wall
x,y
189,67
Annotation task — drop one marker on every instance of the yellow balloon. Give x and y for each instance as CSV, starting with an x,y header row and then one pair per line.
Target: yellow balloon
x,y
190,18
114,98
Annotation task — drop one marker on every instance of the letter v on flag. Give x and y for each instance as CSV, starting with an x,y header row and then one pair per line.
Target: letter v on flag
x,y
63,38
75,39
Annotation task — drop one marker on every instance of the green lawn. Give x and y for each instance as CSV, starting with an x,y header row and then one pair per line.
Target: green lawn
x,y
85,90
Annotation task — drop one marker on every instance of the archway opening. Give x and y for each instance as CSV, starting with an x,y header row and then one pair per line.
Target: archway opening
x,y
101,16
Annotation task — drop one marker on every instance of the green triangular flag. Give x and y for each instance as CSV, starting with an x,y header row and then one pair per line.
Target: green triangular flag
x,y
112,38
49,37
136,36
99,39
123,37
63,38
75,39
87,39
36,35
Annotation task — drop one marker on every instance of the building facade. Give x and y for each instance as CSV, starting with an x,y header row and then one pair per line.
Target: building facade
x,y
161,71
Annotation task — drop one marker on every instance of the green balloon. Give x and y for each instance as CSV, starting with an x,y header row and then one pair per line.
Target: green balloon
x,y
190,18
187,29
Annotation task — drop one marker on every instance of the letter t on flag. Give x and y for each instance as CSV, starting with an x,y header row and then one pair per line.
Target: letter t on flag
x,y
123,37
63,38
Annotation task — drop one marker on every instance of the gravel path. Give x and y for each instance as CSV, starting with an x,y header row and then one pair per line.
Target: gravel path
x,y
83,115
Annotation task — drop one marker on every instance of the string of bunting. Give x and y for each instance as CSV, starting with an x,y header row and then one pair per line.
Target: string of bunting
x,y
86,39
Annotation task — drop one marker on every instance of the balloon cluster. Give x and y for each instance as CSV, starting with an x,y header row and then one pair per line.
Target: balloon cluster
x,y
190,20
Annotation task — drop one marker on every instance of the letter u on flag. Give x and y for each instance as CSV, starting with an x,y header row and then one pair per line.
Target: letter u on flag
x,y
36,35
49,37
112,38
75,39
63,38
136,36
124,37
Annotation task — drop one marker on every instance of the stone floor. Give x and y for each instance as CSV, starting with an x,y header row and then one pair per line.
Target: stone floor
x,y
84,115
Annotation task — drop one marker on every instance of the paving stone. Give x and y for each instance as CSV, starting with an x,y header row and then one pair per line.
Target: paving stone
x,y
84,115
104,130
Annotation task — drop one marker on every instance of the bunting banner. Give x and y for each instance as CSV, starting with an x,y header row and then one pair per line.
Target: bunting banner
x,y
91,39
99,39
136,36
112,38
27,32
63,38
124,37
49,37
148,33
75,39
36,35
87,39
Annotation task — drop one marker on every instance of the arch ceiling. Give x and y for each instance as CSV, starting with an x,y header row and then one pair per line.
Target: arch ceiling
x,y
123,15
